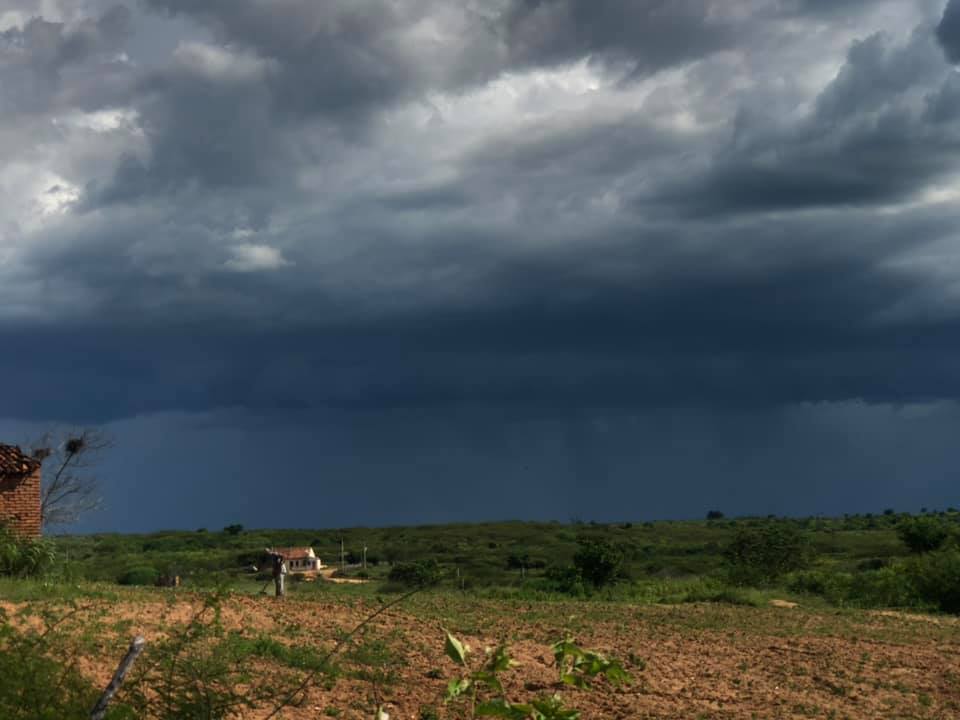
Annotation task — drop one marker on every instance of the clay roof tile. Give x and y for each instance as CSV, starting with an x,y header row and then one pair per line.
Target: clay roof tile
x,y
14,462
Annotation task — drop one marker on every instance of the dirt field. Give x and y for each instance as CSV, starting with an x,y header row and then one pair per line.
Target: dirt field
x,y
692,661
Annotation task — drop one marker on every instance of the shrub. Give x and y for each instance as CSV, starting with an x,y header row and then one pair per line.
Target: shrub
x,y
139,575
936,577
761,554
422,573
714,515
598,562
923,534
888,586
24,557
35,685
831,585
566,580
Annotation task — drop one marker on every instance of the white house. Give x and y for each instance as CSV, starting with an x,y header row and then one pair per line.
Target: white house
x,y
299,560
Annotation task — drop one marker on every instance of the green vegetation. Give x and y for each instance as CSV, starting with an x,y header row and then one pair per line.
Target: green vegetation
x,y
140,575
760,555
484,694
36,684
422,573
886,559
924,534
24,558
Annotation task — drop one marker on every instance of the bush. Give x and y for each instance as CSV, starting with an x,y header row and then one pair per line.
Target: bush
x,y
567,580
422,573
598,562
36,685
714,515
24,557
139,575
936,577
923,534
889,586
760,554
233,529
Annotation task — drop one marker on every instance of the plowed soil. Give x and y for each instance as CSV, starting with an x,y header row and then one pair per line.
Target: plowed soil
x,y
689,662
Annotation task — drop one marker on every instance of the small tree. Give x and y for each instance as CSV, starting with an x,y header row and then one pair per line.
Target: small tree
x,y
422,573
598,562
923,534
714,515
760,554
936,577
69,486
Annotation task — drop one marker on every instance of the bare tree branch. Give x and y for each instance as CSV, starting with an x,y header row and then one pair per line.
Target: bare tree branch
x,y
69,486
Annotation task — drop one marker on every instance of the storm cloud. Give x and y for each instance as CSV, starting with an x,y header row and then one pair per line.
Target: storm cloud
x,y
420,217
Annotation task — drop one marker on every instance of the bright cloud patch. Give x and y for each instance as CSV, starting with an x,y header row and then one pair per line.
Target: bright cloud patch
x,y
254,258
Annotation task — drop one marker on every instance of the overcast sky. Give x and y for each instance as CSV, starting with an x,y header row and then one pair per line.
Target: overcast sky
x,y
389,261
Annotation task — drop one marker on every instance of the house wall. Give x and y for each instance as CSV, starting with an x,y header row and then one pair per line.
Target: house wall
x,y
303,565
20,503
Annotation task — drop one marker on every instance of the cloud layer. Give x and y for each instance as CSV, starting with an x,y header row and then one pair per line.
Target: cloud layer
x,y
534,207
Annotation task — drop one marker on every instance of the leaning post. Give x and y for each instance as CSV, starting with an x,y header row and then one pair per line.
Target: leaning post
x,y
133,652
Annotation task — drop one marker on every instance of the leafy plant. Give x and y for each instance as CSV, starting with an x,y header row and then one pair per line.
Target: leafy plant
x,y
24,557
578,667
38,678
484,691
202,673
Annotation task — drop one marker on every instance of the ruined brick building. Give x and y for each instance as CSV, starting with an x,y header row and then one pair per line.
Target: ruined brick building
x,y
19,491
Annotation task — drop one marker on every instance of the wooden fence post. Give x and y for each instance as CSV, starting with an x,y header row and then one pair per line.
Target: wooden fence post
x,y
136,647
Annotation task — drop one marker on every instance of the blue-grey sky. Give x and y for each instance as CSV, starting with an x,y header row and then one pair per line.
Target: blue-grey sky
x,y
390,261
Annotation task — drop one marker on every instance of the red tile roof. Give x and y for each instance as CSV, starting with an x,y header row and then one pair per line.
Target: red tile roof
x,y
295,553
14,461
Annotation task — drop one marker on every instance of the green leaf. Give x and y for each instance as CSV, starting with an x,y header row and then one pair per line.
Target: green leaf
x,y
564,649
552,709
500,660
456,688
500,708
615,673
455,650
489,679
574,680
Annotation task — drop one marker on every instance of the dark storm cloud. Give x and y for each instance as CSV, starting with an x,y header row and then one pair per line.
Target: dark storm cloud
x,y
571,246
278,91
643,35
270,240
869,139
346,59
948,31
43,63
339,58
556,334
210,127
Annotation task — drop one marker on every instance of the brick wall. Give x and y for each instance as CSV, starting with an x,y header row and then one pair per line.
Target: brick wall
x,y
20,503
